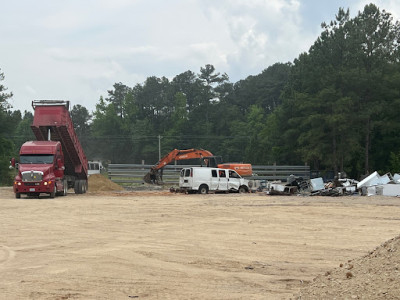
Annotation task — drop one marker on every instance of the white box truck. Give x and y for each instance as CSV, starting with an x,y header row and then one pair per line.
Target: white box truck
x,y
203,180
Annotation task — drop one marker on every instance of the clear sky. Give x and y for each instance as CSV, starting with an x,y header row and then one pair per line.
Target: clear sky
x,y
76,50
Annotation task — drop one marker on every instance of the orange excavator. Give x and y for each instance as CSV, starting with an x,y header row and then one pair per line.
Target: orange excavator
x,y
206,157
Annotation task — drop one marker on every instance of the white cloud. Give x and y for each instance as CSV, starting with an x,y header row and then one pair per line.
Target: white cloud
x,y
261,32
30,90
77,50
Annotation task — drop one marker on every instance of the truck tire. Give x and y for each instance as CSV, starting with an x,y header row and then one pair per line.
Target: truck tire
x,y
53,193
18,195
64,191
80,186
203,189
65,188
77,187
83,186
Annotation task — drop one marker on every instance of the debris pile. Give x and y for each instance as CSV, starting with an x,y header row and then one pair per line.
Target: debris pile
x,y
386,185
374,184
374,276
99,183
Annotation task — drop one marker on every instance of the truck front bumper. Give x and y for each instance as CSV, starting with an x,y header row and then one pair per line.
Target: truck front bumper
x,y
32,187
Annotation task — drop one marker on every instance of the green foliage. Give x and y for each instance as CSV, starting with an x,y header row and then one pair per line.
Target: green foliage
x,y
6,152
81,119
108,133
7,122
23,131
394,162
340,91
4,105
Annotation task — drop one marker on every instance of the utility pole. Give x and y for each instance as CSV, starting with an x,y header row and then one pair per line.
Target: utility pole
x,y
159,147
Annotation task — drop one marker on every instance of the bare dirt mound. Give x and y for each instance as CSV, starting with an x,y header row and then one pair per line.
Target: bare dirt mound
x,y
99,183
374,276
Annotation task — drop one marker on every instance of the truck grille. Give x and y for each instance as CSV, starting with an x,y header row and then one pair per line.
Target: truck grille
x,y
31,176
31,183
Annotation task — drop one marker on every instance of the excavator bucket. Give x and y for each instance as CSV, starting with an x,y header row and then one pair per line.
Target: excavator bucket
x,y
153,177
147,178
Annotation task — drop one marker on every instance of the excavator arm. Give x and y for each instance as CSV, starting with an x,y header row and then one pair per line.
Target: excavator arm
x,y
154,176
180,155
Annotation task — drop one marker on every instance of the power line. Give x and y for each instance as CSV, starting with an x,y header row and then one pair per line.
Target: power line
x,y
139,137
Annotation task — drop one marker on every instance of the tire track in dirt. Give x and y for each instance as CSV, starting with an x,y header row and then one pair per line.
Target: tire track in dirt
x,y
6,254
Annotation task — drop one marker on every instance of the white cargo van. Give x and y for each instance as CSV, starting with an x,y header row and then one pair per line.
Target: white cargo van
x,y
203,180
94,167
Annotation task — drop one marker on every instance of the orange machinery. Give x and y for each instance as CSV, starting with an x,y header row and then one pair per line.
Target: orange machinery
x,y
207,158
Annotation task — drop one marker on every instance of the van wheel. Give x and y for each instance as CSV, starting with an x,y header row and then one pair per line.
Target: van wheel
x,y
203,189
242,189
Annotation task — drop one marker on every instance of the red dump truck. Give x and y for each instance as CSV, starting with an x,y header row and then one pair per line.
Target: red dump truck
x,y
54,162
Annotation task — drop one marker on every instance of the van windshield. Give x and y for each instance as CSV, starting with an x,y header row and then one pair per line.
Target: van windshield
x,y
94,166
37,159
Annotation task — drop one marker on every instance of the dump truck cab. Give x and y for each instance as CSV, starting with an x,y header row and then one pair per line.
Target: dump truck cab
x,y
40,169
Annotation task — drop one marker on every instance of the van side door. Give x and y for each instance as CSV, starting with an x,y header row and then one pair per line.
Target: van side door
x,y
185,178
223,180
214,183
234,180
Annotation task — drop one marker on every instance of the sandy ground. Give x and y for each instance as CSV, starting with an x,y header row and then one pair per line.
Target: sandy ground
x,y
159,245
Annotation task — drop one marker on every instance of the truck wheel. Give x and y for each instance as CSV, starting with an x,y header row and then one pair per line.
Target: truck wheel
x,y
17,195
83,186
77,187
64,192
203,189
53,193
242,189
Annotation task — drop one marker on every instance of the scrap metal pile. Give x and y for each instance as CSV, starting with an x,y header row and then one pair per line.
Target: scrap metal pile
x,y
374,184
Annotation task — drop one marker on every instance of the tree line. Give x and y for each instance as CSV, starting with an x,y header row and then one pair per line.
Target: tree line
x,y
335,107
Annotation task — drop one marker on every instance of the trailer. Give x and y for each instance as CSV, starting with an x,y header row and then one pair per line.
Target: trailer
x,y
54,162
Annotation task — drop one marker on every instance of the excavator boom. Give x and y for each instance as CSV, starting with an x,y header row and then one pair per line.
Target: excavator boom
x,y
154,175
181,155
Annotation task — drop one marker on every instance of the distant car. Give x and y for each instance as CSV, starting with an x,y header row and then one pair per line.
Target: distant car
x,y
94,167
203,180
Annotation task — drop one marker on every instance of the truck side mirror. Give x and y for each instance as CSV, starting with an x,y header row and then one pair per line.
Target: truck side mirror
x,y
59,163
12,162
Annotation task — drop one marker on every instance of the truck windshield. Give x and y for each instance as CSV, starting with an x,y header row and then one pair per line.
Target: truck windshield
x,y
37,159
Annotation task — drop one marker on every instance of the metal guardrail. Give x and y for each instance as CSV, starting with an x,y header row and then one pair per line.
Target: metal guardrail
x,y
134,173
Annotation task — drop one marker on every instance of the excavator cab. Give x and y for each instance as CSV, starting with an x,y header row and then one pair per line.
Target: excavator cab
x,y
211,161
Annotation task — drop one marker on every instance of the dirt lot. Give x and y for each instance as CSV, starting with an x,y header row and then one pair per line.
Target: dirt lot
x,y
159,245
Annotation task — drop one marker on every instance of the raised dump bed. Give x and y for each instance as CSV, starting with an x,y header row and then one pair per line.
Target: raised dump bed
x,y
52,121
